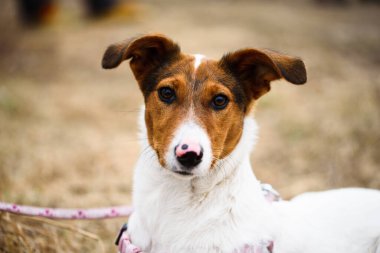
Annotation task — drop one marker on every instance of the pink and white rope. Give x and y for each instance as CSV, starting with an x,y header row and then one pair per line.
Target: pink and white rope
x,y
65,213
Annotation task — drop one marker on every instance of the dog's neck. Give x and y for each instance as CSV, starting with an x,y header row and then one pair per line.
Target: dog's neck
x,y
226,170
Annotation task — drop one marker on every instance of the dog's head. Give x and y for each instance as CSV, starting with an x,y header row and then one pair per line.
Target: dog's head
x,y
194,106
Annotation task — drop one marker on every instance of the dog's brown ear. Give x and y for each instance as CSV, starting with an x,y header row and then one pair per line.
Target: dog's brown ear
x,y
146,52
255,69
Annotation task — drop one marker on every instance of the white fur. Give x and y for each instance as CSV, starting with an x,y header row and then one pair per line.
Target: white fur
x,y
224,209
198,60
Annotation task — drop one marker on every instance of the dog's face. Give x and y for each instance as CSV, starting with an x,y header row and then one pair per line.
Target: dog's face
x,y
195,107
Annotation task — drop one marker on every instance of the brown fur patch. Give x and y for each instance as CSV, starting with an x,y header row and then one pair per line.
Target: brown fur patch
x,y
224,127
163,119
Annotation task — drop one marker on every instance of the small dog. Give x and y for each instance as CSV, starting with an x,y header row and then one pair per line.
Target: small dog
x,y
194,189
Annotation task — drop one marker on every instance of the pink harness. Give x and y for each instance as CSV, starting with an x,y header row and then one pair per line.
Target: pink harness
x,y
125,245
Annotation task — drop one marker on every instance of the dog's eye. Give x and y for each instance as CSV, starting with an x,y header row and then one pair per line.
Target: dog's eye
x,y
219,102
166,95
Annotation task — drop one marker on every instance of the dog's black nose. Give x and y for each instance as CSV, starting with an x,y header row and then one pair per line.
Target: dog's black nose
x,y
190,159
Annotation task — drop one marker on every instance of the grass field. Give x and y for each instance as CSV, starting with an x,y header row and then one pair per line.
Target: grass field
x,y
68,128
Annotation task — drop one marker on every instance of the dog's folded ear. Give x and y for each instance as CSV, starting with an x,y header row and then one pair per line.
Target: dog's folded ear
x,y
255,69
146,52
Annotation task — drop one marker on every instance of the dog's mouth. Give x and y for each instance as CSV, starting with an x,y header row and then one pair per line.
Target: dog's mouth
x,y
183,173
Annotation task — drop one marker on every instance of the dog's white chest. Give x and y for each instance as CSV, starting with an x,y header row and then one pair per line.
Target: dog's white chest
x,y
177,218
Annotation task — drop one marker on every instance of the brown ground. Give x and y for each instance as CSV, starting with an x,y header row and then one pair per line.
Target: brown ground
x,y
68,128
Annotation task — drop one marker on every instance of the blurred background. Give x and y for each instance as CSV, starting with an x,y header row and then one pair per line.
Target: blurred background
x,y
68,129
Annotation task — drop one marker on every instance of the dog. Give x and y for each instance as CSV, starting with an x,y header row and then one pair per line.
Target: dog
x,y
194,189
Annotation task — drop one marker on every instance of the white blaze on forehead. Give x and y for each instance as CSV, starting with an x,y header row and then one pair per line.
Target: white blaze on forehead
x,y
198,60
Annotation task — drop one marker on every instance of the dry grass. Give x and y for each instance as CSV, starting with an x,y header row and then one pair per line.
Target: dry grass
x,y
30,234
68,129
